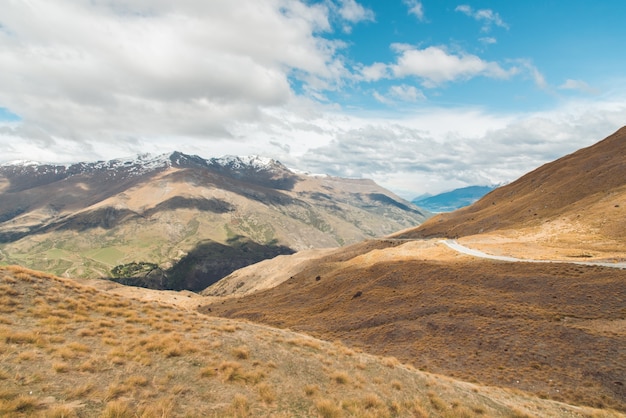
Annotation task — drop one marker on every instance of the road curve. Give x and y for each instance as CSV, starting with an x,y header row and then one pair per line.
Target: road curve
x,y
453,244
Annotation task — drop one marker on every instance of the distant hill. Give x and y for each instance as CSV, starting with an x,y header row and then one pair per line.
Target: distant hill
x,y
452,200
179,221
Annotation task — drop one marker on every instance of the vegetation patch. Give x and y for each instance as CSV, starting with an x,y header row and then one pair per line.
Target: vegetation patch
x,y
133,269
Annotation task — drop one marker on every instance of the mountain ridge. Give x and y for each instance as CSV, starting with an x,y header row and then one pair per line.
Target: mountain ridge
x,y
85,219
453,199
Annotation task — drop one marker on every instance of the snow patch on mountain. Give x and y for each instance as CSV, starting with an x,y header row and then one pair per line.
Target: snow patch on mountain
x,y
146,163
20,163
250,161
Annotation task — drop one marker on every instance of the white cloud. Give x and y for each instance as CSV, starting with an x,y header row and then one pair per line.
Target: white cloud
x,y
415,8
527,67
441,149
577,85
382,98
402,93
488,40
94,79
487,16
353,12
407,93
436,66
117,70
374,72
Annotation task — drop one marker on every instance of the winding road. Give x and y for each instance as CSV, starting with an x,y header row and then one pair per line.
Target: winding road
x,y
453,244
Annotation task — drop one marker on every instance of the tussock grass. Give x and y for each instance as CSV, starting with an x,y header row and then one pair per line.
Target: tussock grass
x,y
328,409
60,367
22,404
240,406
241,353
267,394
311,390
537,327
341,378
97,367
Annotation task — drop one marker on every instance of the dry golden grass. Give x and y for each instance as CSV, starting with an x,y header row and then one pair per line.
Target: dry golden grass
x,y
253,371
241,352
340,377
556,330
267,394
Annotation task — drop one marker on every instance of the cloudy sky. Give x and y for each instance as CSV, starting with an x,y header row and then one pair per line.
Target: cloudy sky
x,y
422,96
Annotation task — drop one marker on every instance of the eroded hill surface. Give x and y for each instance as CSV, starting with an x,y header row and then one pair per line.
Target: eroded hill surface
x,y
72,350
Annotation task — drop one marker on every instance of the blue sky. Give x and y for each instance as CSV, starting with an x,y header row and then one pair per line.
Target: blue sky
x,y
572,46
421,96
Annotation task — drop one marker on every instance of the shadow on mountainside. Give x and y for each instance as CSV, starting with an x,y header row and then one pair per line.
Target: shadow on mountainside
x,y
207,263
110,217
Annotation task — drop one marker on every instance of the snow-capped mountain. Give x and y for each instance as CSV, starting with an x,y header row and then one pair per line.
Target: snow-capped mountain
x,y
197,218
143,163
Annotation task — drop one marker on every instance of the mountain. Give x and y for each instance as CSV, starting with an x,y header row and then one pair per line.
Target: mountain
x,y
179,221
452,200
76,350
556,330
573,206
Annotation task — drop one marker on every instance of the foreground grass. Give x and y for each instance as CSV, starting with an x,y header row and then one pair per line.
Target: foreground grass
x,y
555,330
68,350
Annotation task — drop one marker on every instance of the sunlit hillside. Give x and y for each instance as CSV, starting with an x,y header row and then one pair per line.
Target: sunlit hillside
x,y
70,350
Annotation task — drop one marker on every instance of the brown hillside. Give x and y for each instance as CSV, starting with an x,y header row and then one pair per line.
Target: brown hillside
x,y
69,350
578,198
556,330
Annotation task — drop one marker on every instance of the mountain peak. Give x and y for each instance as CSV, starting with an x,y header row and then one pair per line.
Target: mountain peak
x,y
249,161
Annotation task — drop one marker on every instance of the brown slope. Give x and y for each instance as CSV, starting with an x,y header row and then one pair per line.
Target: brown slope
x,y
583,194
70,350
556,330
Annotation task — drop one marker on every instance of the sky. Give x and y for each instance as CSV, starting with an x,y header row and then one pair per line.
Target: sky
x,y
423,96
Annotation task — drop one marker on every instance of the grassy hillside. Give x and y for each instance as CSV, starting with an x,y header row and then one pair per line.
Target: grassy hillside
x,y
574,205
556,330
70,350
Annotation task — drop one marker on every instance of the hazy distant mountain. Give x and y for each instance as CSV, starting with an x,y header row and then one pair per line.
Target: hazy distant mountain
x,y
181,221
452,200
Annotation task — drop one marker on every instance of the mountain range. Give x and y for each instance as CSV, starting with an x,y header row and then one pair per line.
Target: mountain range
x,y
525,322
452,200
179,221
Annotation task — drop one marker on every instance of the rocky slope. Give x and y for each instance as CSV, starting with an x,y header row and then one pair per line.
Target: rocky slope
x,y
196,219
